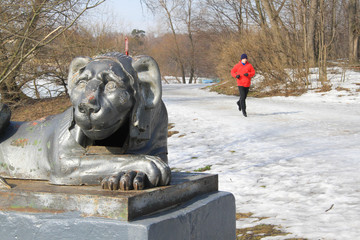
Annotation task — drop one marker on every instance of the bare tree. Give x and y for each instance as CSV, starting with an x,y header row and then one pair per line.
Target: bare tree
x,y
354,31
25,28
261,18
189,22
324,40
278,30
225,16
170,8
311,9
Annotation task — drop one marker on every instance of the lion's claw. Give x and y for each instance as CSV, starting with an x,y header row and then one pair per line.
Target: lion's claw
x,y
139,181
112,182
126,181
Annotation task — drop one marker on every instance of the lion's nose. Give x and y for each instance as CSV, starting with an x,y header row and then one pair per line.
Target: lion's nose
x,y
88,108
90,103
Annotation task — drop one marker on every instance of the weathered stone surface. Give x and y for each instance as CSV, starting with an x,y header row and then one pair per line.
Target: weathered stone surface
x,y
40,196
210,216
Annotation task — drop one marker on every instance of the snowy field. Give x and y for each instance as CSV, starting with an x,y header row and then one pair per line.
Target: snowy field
x,y
294,160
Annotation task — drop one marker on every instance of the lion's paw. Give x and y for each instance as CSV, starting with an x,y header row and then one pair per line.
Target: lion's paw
x,y
149,171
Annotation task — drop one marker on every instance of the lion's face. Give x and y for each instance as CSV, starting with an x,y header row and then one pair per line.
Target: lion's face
x,y
102,98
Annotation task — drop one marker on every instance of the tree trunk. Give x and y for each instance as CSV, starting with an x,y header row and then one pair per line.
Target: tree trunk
x,y
273,17
177,48
310,33
276,32
303,22
322,45
354,31
261,15
182,69
10,92
190,36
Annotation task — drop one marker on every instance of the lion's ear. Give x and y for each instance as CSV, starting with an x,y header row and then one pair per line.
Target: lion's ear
x,y
75,65
149,79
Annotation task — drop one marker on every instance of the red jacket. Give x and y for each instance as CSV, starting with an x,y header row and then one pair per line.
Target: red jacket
x,y
240,69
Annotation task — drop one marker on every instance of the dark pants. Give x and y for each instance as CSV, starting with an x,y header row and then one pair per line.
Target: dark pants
x,y
243,94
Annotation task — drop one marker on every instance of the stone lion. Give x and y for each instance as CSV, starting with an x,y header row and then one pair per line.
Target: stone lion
x,y
115,133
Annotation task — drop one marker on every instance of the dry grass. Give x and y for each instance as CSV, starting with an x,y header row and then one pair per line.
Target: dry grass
x,y
203,169
259,231
170,133
271,59
243,215
324,88
35,109
227,87
343,89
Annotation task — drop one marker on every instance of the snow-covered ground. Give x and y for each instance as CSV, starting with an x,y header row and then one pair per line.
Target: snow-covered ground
x,y
293,160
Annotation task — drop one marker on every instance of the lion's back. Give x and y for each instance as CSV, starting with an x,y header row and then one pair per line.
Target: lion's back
x,y
26,148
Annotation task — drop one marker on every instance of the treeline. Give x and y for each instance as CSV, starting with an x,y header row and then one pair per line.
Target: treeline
x,y
284,39
203,38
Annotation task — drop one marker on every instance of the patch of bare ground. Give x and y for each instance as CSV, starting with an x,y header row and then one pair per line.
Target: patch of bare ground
x,y
324,88
33,109
259,231
229,87
171,132
343,89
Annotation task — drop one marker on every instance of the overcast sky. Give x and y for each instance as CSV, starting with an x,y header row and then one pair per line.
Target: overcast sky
x,y
124,15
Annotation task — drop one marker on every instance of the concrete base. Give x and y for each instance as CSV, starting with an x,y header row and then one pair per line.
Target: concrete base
x,y
209,216
92,201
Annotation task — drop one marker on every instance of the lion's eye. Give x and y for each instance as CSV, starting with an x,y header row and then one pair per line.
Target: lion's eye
x,y
81,82
110,86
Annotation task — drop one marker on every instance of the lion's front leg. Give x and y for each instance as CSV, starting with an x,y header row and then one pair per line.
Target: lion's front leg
x,y
112,172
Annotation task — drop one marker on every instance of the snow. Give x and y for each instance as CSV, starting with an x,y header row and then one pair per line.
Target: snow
x,y
45,87
293,162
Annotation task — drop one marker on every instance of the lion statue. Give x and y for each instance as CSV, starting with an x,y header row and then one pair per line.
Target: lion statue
x,y
114,135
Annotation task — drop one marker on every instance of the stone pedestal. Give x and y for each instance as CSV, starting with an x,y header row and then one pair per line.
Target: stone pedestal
x,y
190,208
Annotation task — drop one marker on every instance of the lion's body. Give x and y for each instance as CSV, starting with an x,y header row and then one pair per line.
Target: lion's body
x,y
32,150
27,148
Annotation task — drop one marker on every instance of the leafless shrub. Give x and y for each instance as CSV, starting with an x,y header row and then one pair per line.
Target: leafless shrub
x,y
282,70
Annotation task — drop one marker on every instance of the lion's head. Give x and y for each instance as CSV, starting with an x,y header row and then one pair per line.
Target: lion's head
x,y
113,90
